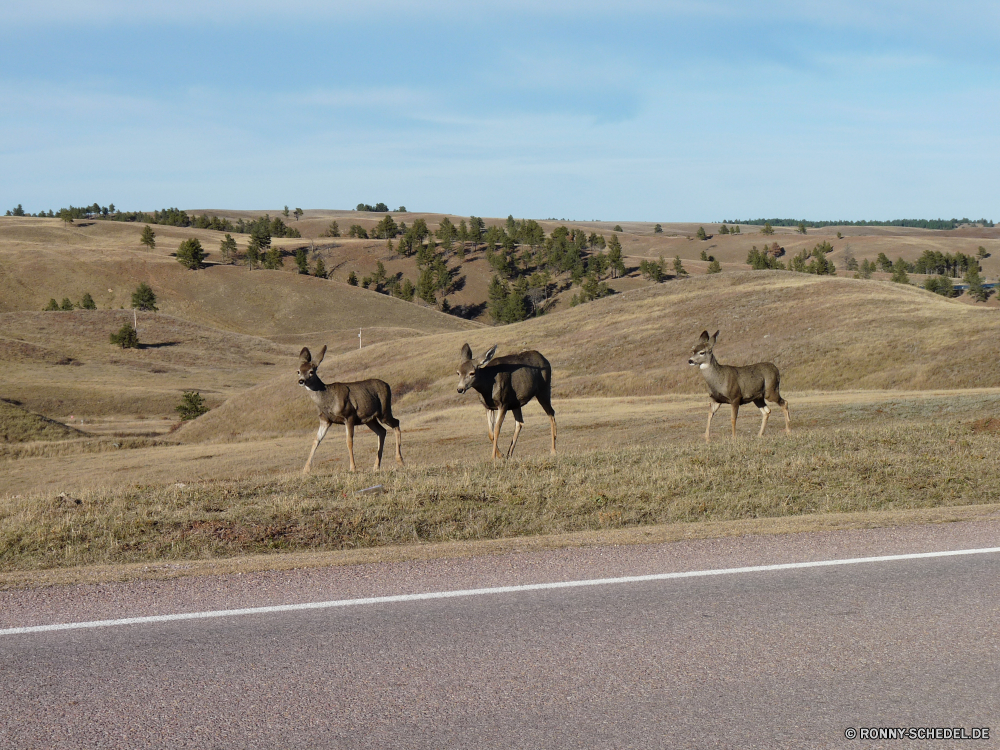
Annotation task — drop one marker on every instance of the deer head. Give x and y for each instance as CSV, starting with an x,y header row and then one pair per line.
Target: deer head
x,y
306,371
468,368
701,353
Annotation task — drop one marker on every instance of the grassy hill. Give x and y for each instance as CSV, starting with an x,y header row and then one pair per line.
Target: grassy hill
x,y
823,333
18,425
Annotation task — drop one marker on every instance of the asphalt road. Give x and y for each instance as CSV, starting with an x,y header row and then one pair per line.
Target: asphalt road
x,y
776,659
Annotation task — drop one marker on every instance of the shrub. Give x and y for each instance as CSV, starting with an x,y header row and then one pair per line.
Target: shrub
x,y
126,337
192,405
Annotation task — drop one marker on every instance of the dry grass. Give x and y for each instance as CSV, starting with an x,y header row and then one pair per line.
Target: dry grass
x,y
818,470
20,426
823,333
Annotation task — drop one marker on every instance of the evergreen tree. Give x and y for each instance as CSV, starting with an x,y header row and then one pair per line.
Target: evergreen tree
x,y
298,213
252,255
285,212
802,227
899,272
768,229
658,229
190,254
426,286
273,259
352,278
87,303
615,257
192,406
700,234
53,305
320,271
148,237
126,337
884,263
143,298
333,230
714,267
228,249
302,261
723,229
66,304
618,228
678,267
976,289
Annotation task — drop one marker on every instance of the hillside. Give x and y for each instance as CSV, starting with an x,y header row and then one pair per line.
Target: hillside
x,y
18,425
823,333
41,259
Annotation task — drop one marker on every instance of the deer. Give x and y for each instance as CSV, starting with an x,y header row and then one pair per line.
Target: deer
x,y
367,402
506,384
731,385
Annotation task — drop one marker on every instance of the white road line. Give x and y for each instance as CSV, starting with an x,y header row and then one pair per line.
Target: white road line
x,y
484,592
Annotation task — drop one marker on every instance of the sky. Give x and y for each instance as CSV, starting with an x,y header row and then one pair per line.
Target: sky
x,y
648,111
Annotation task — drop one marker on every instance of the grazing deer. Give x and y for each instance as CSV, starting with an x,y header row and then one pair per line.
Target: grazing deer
x,y
363,402
737,385
506,384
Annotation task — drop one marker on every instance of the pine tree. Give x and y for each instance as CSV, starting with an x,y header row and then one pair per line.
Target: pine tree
x,y
714,267
302,261
143,298
53,305
148,237
615,257
658,229
768,229
700,234
976,289
899,272
66,304
352,278
192,406
273,259
723,229
228,249
678,267
126,337
87,303
298,213
320,270
190,254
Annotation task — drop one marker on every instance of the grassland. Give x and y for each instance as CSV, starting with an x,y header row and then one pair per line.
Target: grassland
x,y
894,395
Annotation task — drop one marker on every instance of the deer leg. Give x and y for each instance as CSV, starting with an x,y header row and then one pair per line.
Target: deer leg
x,y
712,409
491,418
379,430
518,424
765,411
552,419
320,434
399,454
496,431
788,424
736,411
349,425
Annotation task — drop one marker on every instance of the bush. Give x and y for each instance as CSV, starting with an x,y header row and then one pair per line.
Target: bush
x,y
618,228
66,304
53,305
192,405
352,278
714,267
126,337
87,303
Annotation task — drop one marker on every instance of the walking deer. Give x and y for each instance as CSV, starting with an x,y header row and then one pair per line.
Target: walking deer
x,y
506,384
737,385
365,402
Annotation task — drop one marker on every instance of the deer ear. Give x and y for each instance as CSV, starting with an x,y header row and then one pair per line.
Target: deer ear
x,y
304,355
488,356
466,353
322,353
715,337
704,338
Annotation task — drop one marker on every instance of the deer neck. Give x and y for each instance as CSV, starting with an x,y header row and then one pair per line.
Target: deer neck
x,y
714,374
484,386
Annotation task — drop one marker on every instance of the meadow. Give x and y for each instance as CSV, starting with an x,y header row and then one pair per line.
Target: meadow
x,y
894,396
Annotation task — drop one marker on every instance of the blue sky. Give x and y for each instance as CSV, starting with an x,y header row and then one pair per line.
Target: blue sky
x,y
629,111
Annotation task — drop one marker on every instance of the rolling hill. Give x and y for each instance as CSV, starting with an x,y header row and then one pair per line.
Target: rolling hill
x,y
824,333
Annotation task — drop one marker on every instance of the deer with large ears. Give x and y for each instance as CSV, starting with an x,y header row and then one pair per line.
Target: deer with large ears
x,y
737,385
365,402
506,384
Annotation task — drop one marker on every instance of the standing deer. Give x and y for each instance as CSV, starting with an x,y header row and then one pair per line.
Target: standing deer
x,y
506,384
350,404
737,385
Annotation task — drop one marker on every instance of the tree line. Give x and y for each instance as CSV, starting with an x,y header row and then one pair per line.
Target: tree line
x,y
916,223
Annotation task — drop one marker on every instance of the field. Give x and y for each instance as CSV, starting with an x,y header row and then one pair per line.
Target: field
x,y
894,396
